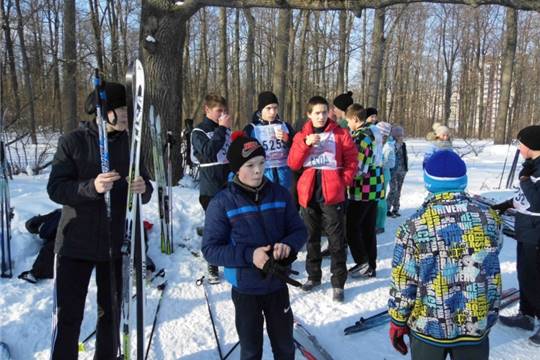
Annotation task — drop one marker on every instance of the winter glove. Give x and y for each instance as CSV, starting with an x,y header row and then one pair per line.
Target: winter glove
x,y
272,267
528,169
502,207
396,337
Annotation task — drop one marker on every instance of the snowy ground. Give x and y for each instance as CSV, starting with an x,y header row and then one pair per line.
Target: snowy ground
x,y
184,328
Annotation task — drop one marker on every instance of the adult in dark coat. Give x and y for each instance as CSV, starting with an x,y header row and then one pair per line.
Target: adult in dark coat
x,y
84,234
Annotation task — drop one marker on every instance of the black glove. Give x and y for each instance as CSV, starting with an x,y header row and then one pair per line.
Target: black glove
x,y
502,207
272,267
528,168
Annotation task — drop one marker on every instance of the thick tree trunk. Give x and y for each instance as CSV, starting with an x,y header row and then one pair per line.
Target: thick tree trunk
x,y
508,55
162,39
282,53
377,60
94,17
115,44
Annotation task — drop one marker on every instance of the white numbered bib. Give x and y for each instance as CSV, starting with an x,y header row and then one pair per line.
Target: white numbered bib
x,y
276,152
521,204
222,153
323,155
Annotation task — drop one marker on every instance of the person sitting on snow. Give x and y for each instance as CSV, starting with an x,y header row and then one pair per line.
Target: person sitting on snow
x,y
527,205
446,279
253,229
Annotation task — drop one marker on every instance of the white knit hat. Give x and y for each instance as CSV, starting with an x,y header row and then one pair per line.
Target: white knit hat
x,y
384,127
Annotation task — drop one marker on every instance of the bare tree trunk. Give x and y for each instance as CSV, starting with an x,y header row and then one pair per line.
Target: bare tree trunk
x,y
250,53
282,53
342,58
27,79
377,60
301,59
508,55
115,48
70,66
224,86
11,56
94,16
236,68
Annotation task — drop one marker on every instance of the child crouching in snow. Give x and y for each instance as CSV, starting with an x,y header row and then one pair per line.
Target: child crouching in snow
x,y
252,228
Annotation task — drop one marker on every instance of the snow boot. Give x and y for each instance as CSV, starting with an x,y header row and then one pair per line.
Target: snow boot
x,y
310,285
28,276
535,338
338,295
361,268
364,272
520,320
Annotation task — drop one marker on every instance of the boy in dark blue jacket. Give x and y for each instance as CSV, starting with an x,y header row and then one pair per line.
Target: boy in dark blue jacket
x,y
253,229
526,202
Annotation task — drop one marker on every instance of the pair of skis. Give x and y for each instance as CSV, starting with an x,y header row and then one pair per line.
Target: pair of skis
x,y
163,181
508,297
133,247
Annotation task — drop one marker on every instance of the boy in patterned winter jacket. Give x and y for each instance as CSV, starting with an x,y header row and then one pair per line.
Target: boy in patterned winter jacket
x,y
367,189
446,280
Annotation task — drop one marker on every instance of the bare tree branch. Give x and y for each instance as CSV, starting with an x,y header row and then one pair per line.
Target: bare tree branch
x,y
353,5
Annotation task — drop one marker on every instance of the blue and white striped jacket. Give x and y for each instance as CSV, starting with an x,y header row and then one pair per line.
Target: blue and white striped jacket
x,y
235,226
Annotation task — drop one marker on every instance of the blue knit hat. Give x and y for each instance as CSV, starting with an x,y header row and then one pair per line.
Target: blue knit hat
x,y
445,171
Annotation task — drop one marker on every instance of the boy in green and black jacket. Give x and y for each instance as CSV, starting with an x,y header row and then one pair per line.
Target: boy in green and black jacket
x,y
363,195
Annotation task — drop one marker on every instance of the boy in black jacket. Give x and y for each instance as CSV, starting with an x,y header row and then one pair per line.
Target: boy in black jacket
x,y
209,141
527,205
83,237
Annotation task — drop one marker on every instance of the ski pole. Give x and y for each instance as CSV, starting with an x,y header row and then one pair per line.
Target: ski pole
x,y
162,288
200,282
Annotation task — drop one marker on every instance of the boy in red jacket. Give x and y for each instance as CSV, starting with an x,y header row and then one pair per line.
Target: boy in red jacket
x,y
328,157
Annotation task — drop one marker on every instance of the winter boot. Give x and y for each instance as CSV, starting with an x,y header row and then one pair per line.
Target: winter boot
x,y
520,320
535,339
364,272
362,268
395,214
310,285
338,295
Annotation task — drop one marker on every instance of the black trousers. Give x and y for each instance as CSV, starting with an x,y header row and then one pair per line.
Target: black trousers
x,y
424,351
70,289
528,272
361,235
249,311
330,217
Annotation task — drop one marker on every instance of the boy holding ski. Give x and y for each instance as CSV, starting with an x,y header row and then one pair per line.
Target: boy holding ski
x,y
327,155
527,224
275,135
252,228
82,241
210,140
446,279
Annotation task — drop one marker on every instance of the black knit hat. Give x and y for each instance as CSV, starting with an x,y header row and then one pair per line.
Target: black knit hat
x,y
343,101
242,149
530,137
116,97
266,98
371,111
